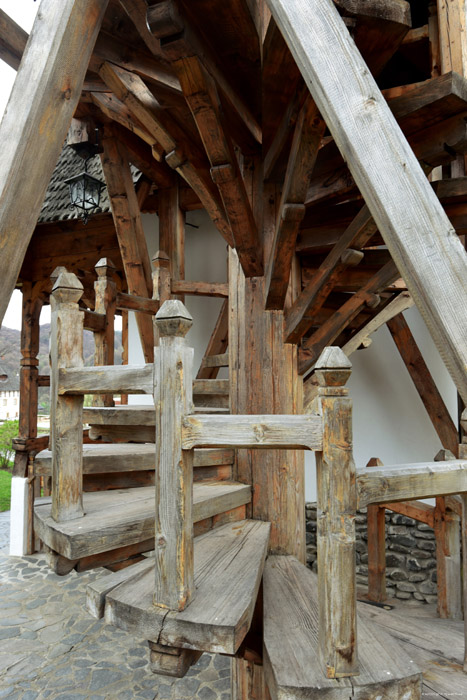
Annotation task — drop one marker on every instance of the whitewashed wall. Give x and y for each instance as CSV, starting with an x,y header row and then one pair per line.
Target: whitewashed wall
x,y
390,421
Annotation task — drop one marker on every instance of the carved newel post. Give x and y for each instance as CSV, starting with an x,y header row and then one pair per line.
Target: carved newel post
x,y
66,412
337,504
173,368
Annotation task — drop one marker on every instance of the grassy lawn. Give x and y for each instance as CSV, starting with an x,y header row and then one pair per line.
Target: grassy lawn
x,y
5,488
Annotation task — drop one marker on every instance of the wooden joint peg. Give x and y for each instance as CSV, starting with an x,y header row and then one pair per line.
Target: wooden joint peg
x,y
66,412
173,399
337,504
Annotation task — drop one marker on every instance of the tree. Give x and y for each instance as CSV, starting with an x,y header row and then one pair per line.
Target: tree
x,y
8,430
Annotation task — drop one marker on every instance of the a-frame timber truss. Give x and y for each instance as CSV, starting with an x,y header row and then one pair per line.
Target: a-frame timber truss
x,y
326,140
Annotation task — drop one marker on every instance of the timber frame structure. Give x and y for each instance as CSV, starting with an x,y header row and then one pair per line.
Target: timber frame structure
x,y
326,140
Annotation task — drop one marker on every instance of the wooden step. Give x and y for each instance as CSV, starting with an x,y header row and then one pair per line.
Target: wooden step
x,y
291,657
99,459
129,415
229,564
125,516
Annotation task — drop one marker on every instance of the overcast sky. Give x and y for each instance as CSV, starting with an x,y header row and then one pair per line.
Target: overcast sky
x,y
23,12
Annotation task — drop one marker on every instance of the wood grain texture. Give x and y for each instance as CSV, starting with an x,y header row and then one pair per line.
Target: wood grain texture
x,y
411,481
263,432
292,669
376,531
366,134
13,40
105,291
66,422
114,379
126,516
228,568
217,342
43,99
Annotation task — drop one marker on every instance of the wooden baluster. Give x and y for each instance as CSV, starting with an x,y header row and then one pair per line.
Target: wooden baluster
x,y
66,412
337,504
376,547
106,293
173,379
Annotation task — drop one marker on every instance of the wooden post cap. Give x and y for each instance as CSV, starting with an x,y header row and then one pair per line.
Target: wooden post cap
x,y
56,273
105,267
333,367
173,318
160,259
67,288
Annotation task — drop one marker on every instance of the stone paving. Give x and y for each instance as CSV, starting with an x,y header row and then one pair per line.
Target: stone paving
x,y
51,648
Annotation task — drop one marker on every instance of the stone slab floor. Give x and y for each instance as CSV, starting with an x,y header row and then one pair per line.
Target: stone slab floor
x,y
51,648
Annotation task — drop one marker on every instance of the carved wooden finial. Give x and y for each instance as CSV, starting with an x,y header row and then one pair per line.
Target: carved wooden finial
x,y
67,288
56,273
173,319
105,268
333,367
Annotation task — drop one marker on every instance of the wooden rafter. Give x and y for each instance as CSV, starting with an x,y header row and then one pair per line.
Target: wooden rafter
x,y
130,233
44,97
12,41
201,95
181,155
299,318
309,131
424,383
141,157
330,330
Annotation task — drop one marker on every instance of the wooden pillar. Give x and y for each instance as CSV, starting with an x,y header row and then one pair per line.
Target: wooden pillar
x,y
337,505
32,305
106,292
124,397
66,412
376,525
264,379
173,382
172,231
160,283
448,561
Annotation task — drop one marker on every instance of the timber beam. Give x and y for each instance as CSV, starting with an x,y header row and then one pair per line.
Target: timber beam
x,y
12,41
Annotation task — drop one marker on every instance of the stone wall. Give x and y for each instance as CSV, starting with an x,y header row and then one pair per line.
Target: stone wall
x,y
410,555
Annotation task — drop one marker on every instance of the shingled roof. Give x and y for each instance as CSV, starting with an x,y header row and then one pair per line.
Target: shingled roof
x,y
56,206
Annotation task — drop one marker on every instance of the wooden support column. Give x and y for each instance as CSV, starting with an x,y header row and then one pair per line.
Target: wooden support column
x,y
44,97
161,283
32,305
130,233
172,231
173,365
376,525
409,216
124,397
452,32
106,292
217,344
337,506
264,379
66,412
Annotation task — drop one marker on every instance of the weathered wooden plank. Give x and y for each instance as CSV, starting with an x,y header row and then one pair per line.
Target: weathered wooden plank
x,y
104,341
228,568
336,509
264,432
43,99
217,342
308,133
66,421
299,318
116,379
204,289
422,512
216,360
172,231
419,236
330,330
13,40
291,648
173,368
424,383
448,562
211,386
131,302
411,481
126,516
376,530
452,28
130,234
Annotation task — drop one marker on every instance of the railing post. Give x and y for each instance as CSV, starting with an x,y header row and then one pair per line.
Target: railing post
x,y
173,378
66,412
337,504
376,529
106,292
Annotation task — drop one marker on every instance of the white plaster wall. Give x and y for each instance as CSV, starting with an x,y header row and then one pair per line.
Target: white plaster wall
x,y
205,261
389,419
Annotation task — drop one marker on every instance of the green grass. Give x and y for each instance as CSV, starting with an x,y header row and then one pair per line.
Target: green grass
x,y
5,489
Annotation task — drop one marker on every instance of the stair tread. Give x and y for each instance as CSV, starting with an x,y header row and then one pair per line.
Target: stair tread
x,y
142,414
126,516
291,654
228,564
106,458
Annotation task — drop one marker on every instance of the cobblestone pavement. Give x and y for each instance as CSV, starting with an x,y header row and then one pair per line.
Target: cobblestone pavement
x,y
51,648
